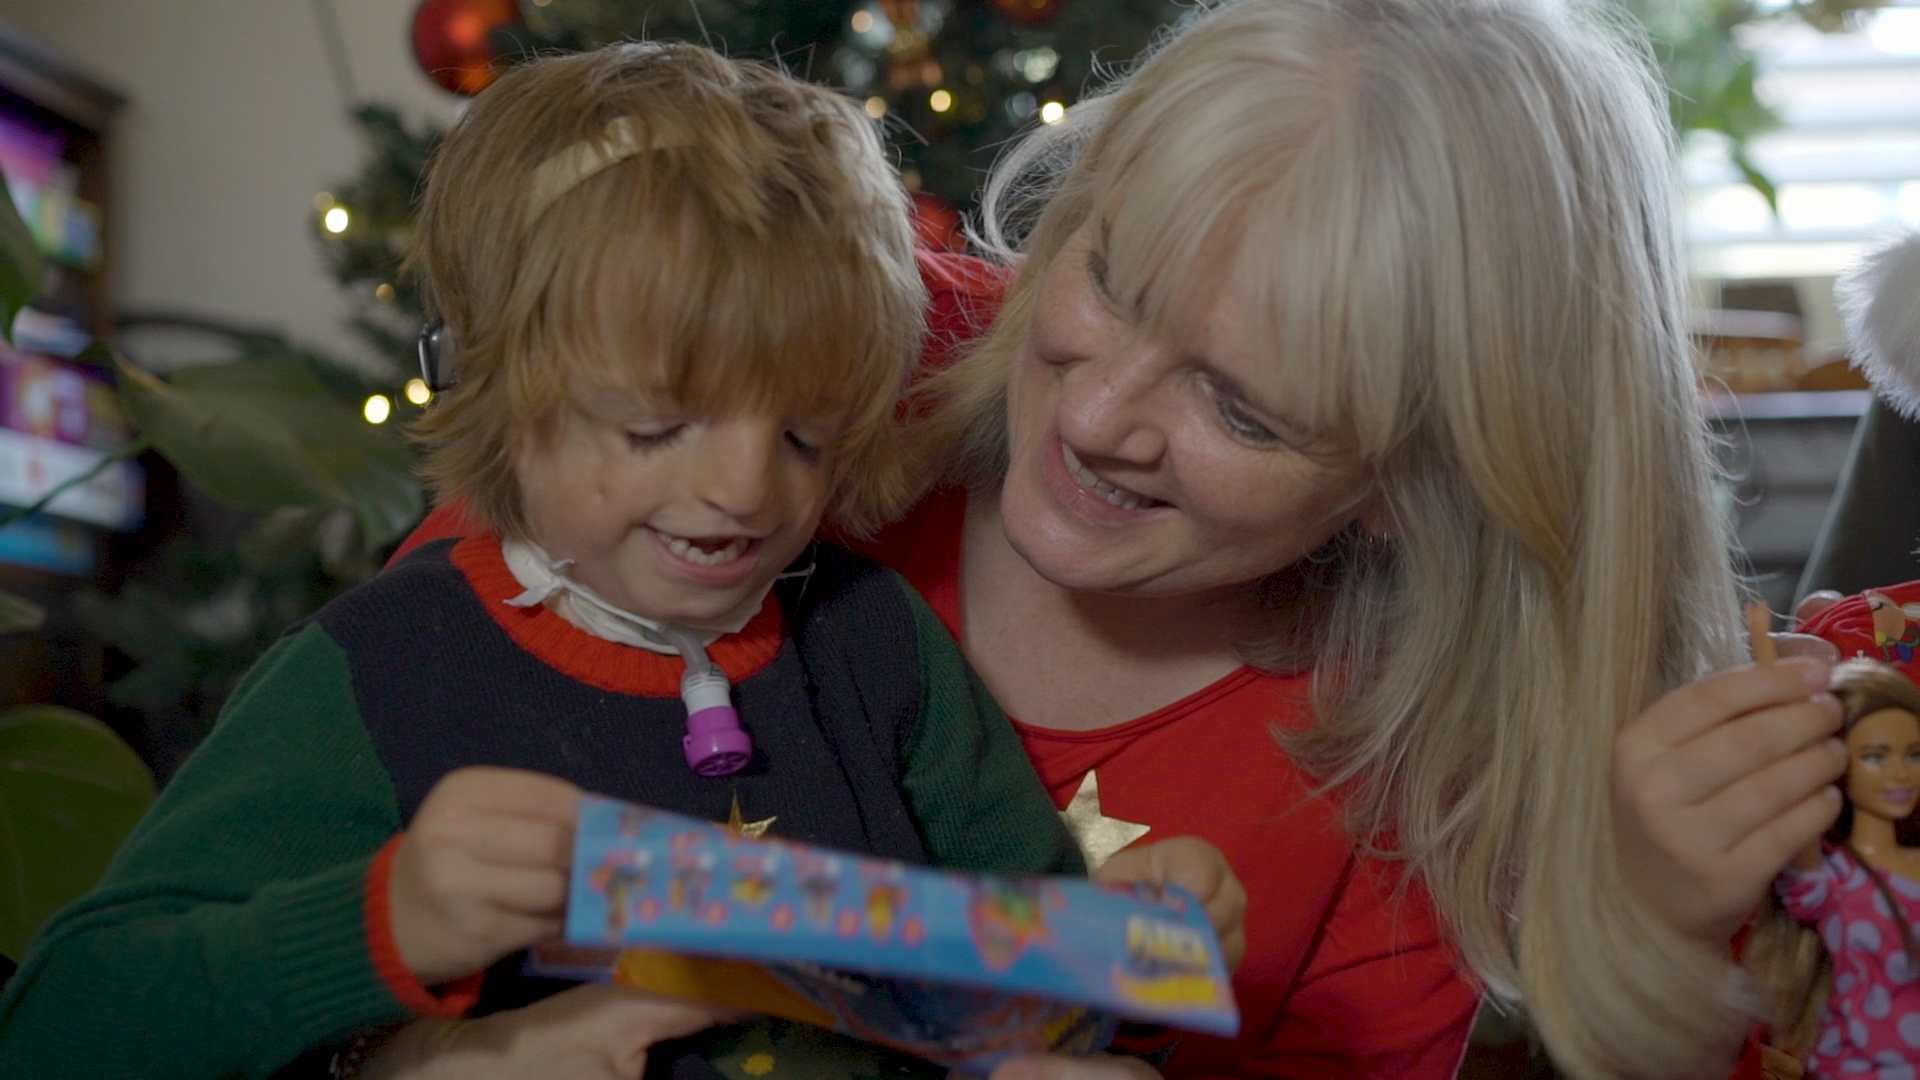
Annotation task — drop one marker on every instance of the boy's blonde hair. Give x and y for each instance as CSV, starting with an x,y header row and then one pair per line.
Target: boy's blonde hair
x,y
1453,221
656,218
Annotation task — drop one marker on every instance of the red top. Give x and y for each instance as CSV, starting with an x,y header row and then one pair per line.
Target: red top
x,y
1338,980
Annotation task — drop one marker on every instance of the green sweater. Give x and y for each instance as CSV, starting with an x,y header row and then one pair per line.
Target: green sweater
x,y
230,934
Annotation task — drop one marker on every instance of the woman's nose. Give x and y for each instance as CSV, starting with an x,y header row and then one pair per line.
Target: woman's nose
x,y
1113,405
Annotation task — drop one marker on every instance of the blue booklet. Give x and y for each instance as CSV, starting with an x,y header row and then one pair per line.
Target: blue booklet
x,y
964,970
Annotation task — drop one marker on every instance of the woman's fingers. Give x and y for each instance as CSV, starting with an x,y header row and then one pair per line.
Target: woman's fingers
x,y
1811,645
1772,846
1698,707
1742,748
1756,802
1813,604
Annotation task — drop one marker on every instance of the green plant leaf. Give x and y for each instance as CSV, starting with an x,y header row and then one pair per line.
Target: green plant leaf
x,y
21,269
262,433
18,613
70,791
1761,182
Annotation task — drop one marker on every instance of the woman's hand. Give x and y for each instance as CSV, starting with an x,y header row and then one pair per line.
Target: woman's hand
x,y
1719,784
1098,1067
591,1032
1198,867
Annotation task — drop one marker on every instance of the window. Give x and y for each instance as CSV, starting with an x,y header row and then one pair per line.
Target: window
x,y
1845,160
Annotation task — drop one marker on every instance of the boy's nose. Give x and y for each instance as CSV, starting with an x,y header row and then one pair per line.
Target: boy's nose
x,y
737,476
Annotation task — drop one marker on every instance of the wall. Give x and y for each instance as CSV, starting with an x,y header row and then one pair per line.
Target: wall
x,y
233,123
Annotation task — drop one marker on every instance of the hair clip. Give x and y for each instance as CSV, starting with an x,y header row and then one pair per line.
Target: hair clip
x,y
435,346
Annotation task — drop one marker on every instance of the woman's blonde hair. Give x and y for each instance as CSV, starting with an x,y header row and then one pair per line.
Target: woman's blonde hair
x,y
660,219
1454,221
1789,957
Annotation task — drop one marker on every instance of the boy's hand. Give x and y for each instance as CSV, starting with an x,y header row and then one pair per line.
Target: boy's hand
x,y
482,871
1198,867
591,1032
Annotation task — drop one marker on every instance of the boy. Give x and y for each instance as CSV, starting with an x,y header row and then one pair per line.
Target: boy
x,y
679,301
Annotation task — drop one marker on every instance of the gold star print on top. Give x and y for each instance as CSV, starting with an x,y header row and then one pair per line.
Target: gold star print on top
x,y
1099,836
739,826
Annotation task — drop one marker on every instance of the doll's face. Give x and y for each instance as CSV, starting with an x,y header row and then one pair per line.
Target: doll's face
x,y
1883,774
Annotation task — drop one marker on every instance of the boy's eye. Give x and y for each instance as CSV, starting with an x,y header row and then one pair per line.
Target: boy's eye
x,y
653,438
804,446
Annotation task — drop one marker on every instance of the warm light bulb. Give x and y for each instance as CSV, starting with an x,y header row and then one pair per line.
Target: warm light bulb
x,y
377,408
941,101
876,107
418,392
383,292
335,220
862,21
1052,112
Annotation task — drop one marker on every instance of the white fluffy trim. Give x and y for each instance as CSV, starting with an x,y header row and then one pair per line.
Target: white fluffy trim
x,y
1880,300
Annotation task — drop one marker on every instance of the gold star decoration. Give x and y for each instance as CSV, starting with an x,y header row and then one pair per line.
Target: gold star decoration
x,y
739,826
1099,836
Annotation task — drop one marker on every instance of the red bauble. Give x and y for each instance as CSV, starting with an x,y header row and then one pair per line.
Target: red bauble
x,y
1030,12
454,41
903,14
937,226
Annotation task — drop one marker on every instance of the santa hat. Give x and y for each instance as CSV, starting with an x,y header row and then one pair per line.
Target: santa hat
x,y
1879,624
1880,300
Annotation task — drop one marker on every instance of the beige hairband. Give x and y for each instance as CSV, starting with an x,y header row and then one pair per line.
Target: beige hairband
x,y
567,169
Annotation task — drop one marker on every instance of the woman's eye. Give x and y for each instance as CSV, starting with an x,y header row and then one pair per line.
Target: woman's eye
x,y
1873,757
1245,426
653,438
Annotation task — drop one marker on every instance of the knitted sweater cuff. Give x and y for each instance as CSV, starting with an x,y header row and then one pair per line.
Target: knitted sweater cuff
x,y
314,931
452,999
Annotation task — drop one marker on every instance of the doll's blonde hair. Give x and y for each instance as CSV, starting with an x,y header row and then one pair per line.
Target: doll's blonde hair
x,y
1454,221
657,218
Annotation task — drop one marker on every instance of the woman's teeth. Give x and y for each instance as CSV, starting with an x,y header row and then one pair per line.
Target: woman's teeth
x,y
704,553
1117,496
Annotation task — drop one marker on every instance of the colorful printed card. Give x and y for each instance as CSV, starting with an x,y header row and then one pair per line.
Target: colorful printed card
x,y
964,970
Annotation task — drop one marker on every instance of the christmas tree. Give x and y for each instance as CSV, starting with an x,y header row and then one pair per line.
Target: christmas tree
x,y
953,80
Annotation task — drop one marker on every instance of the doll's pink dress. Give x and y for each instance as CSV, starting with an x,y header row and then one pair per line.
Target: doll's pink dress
x,y
1872,1026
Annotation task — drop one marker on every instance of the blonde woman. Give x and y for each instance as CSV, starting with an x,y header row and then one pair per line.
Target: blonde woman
x,y
1332,483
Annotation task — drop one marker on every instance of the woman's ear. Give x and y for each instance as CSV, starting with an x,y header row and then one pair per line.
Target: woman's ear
x,y
1376,519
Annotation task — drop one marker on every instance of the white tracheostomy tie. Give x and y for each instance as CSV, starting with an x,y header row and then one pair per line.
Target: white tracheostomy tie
x,y
544,580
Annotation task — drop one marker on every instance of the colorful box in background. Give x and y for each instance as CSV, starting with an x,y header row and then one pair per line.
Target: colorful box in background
x,y
60,400
30,467
964,970
50,545
45,188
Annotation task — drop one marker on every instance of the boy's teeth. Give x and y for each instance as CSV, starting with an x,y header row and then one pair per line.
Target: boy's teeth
x,y
693,553
1117,496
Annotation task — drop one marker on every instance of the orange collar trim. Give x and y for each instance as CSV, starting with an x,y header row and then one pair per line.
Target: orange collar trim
x,y
623,669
